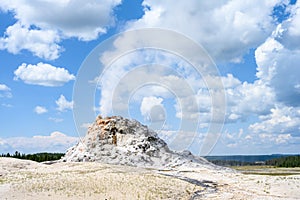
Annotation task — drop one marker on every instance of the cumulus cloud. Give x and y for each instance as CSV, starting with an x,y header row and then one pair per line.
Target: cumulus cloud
x,y
5,91
227,29
283,138
243,100
274,97
244,24
278,67
40,26
278,59
152,108
123,80
55,142
281,120
290,33
130,76
249,99
262,142
63,104
4,87
40,110
43,74
42,43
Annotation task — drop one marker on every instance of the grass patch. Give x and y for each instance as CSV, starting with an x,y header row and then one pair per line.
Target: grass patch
x,y
252,167
270,174
267,170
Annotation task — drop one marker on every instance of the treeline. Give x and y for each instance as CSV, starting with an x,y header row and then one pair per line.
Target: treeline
x,y
228,163
285,161
38,157
289,161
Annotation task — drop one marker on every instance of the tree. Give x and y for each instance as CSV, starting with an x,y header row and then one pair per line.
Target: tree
x,y
17,155
288,161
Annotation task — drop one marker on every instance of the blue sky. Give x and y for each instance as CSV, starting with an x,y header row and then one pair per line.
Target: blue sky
x,y
254,45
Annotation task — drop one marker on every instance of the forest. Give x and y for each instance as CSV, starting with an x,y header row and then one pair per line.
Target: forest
x,y
284,161
38,157
289,161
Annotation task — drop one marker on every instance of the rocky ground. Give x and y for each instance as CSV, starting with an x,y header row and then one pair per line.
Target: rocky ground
x,y
22,180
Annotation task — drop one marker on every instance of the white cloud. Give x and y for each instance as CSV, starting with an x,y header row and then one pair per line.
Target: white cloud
x,y
279,56
43,74
233,116
55,142
123,81
63,104
248,137
86,125
265,59
281,120
294,22
230,81
279,68
283,138
5,91
272,101
249,98
42,43
4,87
130,77
41,26
232,145
243,100
290,28
56,120
244,24
227,29
152,108
40,110
265,135
6,105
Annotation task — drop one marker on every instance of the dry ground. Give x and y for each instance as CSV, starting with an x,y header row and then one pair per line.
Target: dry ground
x,y
24,180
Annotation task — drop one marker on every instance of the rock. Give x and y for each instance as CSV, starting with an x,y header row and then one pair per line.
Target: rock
x,y
136,146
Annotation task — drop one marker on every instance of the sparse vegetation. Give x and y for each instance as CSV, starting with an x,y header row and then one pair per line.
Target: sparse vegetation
x,y
267,170
89,179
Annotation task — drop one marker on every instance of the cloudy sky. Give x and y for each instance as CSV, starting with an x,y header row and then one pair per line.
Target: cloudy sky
x,y
242,75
